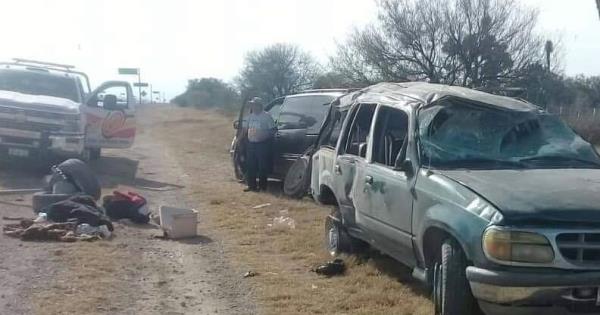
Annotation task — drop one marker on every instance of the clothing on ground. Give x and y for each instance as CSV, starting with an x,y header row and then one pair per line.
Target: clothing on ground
x,y
79,208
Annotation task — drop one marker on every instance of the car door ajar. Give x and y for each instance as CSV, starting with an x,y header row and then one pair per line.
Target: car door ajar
x,y
349,158
110,116
383,193
298,125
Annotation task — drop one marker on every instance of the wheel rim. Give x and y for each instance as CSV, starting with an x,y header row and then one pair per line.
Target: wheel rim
x,y
333,238
437,288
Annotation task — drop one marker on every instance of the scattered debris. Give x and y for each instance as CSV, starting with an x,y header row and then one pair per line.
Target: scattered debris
x,y
13,218
261,206
250,274
314,287
282,223
86,229
178,222
79,208
331,268
126,205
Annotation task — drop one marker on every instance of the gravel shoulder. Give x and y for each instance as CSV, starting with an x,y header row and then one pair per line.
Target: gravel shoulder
x,y
181,158
134,273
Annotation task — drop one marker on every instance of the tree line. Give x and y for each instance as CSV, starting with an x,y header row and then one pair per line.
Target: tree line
x,y
489,45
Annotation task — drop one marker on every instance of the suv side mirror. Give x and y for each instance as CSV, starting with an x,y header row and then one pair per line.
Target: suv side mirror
x,y
362,150
236,124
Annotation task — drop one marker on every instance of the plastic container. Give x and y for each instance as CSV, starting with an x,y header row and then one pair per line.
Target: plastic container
x,y
178,222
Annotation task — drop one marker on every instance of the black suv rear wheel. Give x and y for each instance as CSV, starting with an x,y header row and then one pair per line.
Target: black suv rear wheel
x,y
451,291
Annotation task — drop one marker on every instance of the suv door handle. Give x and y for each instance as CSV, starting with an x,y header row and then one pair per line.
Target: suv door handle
x,y
369,180
337,169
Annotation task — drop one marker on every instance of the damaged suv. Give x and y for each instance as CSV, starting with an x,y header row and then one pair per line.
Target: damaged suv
x,y
493,202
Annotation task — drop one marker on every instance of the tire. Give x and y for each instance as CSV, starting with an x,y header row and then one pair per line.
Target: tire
x,y
297,179
337,239
82,176
238,168
41,200
451,291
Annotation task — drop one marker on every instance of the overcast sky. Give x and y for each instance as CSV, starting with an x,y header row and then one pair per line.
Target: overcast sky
x,y
174,40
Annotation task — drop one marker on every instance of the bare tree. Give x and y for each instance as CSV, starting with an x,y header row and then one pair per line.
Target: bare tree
x,y
277,70
476,43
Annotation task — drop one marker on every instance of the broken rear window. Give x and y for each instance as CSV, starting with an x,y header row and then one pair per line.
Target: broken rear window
x,y
459,134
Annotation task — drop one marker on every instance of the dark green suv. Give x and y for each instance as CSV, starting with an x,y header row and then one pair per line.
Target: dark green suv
x,y
493,202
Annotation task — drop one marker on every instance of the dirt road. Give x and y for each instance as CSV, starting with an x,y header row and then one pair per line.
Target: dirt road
x,y
184,152
131,274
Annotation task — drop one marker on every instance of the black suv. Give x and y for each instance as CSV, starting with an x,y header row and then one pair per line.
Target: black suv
x,y
299,118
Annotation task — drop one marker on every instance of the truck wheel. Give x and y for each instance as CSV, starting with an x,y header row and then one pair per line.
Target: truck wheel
x,y
41,200
295,184
451,291
238,168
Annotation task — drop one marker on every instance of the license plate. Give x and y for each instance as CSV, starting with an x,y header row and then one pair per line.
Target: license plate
x,y
18,152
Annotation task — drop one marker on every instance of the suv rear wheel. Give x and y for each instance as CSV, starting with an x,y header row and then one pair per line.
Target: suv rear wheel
x,y
297,179
451,291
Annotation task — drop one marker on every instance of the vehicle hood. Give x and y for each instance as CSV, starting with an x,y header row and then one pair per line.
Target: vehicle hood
x,y
541,195
41,102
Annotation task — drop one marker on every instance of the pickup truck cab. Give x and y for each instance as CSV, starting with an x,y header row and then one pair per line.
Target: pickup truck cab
x,y
48,111
493,202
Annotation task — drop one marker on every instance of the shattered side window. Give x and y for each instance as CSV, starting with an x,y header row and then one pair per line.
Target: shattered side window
x,y
460,134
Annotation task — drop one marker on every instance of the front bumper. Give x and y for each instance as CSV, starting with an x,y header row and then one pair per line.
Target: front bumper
x,y
516,293
37,145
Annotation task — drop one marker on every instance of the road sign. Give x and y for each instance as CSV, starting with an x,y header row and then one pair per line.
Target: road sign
x,y
129,71
140,84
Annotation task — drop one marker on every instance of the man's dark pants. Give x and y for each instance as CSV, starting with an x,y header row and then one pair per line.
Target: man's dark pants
x,y
258,163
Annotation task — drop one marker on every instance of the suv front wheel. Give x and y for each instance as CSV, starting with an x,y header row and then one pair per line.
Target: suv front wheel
x,y
451,291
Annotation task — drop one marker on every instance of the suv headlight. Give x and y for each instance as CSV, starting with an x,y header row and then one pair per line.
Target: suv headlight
x,y
517,246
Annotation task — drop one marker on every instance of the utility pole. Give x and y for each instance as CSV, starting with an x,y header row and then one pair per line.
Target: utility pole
x,y
139,85
134,71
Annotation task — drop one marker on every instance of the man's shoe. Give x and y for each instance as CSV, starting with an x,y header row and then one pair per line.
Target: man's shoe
x,y
250,189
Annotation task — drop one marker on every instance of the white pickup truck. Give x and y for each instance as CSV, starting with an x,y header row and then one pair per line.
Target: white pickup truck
x,y
49,111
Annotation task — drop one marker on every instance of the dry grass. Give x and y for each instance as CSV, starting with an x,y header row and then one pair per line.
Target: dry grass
x,y
281,257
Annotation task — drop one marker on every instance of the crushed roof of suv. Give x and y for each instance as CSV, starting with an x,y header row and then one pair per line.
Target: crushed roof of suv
x,y
423,94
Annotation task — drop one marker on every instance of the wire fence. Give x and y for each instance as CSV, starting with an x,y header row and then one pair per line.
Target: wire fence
x,y
585,120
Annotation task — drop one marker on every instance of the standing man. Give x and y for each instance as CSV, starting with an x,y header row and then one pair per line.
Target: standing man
x,y
261,129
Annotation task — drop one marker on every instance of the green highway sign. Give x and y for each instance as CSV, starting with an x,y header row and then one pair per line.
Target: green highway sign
x,y
140,84
128,71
